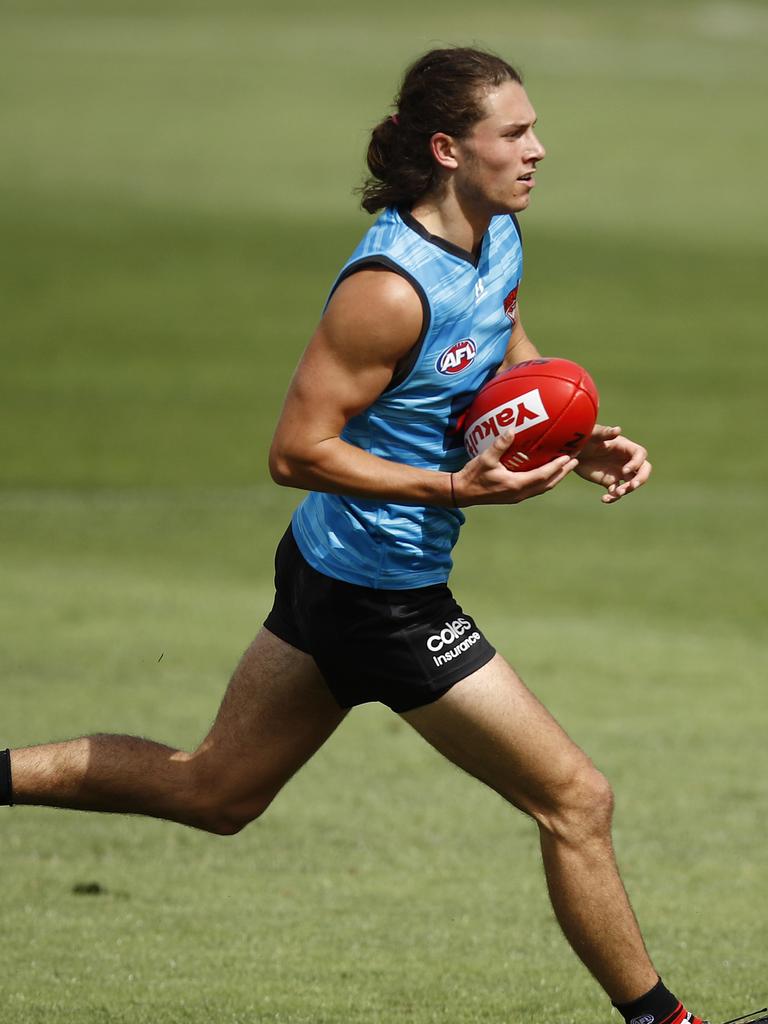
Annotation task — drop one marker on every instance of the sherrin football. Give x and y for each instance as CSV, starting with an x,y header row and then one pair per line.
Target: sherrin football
x,y
551,404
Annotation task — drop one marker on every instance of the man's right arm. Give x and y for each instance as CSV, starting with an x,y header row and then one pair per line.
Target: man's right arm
x,y
372,321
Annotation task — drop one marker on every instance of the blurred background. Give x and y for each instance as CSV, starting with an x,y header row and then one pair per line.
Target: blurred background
x,y
176,197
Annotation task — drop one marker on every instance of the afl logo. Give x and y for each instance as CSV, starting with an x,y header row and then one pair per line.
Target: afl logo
x,y
456,358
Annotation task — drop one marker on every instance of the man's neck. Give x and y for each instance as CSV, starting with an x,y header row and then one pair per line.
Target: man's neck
x,y
447,219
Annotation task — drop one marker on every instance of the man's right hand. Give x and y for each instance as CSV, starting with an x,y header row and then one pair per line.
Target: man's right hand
x,y
485,480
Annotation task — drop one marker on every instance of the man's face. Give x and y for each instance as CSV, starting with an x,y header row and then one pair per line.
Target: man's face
x,y
497,160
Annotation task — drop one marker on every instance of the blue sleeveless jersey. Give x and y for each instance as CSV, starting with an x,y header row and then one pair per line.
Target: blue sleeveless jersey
x,y
469,310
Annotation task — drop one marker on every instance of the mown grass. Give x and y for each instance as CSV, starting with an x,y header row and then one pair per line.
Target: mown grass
x,y
175,201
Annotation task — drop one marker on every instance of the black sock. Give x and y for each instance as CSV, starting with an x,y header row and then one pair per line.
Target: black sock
x,y
6,785
655,1007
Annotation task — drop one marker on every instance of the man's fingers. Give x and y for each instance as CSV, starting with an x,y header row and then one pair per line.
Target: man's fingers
x,y
561,465
565,468
550,473
637,480
504,440
623,487
487,480
638,458
500,445
601,433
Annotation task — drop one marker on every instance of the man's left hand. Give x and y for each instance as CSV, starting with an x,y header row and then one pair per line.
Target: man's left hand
x,y
613,462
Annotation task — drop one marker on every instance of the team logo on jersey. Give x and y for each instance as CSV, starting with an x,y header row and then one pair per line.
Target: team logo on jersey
x,y
510,304
456,357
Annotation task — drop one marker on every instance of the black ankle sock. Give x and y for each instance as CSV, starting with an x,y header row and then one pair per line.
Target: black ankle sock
x,y
6,786
655,1007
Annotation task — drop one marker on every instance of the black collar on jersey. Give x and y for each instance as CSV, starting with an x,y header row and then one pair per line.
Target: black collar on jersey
x,y
442,243
407,217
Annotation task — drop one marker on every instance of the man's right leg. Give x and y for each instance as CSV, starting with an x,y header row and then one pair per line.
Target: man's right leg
x,y
276,712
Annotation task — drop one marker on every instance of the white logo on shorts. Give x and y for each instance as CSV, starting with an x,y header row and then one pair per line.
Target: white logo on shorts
x,y
647,1018
453,631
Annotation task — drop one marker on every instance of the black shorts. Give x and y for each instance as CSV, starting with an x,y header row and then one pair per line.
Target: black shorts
x,y
404,648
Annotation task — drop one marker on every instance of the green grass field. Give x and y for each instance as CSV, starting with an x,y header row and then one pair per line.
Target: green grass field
x,y
175,198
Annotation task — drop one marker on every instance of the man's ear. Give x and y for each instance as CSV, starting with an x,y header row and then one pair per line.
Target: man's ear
x,y
443,148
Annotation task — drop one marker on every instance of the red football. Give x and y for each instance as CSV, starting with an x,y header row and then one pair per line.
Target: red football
x,y
550,403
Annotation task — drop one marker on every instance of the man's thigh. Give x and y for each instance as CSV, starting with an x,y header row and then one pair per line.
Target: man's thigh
x,y
492,726
276,712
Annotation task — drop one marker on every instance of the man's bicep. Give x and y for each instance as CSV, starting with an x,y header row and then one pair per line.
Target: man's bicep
x,y
332,384
372,321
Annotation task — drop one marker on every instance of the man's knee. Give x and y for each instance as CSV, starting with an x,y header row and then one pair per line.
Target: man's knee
x,y
580,809
217,804
227,819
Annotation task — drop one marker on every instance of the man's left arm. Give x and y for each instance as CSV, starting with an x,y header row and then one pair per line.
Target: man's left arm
x,y
520,347
609,459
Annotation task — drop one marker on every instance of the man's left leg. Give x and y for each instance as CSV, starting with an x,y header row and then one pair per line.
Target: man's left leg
x,y
493,727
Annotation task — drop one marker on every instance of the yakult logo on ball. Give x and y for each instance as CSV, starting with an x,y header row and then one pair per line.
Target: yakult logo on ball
x,y
457,357
520,413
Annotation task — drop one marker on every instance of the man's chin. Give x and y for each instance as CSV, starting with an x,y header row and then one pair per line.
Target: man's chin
x,y
522,201
514,205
